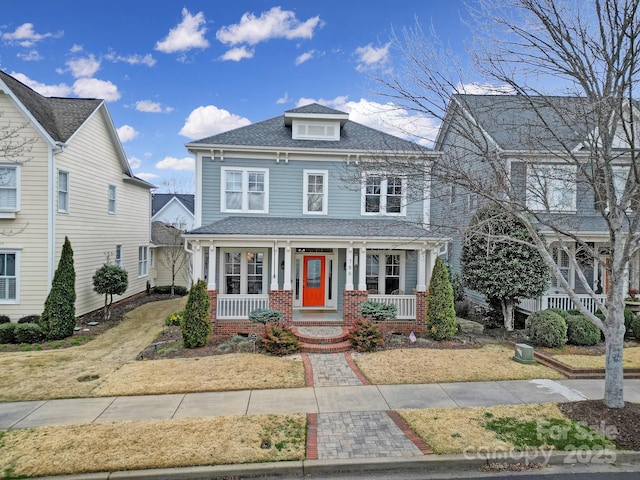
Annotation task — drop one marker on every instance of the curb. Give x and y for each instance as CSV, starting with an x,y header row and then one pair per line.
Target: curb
x,y
433,463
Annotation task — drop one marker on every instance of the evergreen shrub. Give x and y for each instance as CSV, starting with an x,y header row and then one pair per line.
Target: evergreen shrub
x,y
441,314
580,331
59,316
265,315
28,333
377,311
166,289
110,280
196,325
635,327
7,332
30,319
366,336
175,319
280,341
4,319
547,329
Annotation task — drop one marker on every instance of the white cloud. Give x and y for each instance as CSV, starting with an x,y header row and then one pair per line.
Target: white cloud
x,y
127,133
284,99
148,154
300,59
134,162
152,107
147,59
371,57
76,48
30,56
25,36
237,54
386,117
211,120
147,176
475,88
60,90
84,67
180,164
186,35
94,88
275,23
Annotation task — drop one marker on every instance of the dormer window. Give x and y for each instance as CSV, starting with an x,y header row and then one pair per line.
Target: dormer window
x,y
306,130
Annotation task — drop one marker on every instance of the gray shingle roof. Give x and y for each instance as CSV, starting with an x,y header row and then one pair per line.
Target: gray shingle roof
x,y
316,227
518,122
165,235
60,117
159,200
274,133
316,108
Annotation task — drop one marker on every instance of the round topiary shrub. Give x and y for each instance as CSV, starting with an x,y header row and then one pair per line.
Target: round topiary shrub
x,y
366,336
560,311
547,329
7,332
580,331
28,333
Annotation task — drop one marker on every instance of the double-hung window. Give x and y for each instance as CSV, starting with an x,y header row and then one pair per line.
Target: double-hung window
x,y
384,272
143,265
384,194
551,188
243,272
564,265
112,199
244,190
118,259
63,191
315,192
9,277
9,188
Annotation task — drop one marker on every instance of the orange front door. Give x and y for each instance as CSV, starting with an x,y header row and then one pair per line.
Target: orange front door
x,y
313,283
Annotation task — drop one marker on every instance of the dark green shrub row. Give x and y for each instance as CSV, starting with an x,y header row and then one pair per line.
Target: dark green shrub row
x,y
20,333
30,319
580,331
7,332
377,311
166,289
547,329
628,317
280,341
265,315
4,319
366,336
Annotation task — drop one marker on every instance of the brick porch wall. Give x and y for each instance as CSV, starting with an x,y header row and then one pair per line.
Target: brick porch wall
x,y
282,300
352,300
213,305
421,309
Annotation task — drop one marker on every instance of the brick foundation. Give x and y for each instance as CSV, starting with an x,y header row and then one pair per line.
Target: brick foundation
x,y
352,301
231,328
282,300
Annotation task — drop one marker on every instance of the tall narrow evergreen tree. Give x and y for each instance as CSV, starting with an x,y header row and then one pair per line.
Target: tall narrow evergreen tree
x,y
59,316
441,315
196,324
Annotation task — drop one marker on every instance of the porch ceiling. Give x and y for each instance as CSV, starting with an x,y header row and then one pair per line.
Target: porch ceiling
x,y
327,228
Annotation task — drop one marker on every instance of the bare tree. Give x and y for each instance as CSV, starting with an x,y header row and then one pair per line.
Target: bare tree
x,y
584,140
172,254
178,184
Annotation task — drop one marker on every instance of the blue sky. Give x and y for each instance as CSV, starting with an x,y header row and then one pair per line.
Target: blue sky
x,y
176,72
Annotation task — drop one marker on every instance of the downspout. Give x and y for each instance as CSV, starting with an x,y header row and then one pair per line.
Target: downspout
x,y
51,223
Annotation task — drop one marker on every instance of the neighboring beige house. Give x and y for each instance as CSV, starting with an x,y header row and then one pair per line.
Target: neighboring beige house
x,y
63,172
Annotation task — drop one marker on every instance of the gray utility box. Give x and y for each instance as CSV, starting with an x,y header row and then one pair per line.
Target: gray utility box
x,y
524,354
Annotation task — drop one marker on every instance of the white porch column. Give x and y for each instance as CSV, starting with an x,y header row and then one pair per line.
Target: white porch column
x,y
433,254
212,285
287,267
349,284
275,262
421,285
197,262
362,269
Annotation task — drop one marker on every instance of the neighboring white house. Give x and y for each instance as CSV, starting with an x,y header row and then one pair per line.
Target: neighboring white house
x,y
175,209
68,176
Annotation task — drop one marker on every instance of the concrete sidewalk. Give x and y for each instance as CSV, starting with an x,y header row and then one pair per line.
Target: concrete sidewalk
x,y
319,400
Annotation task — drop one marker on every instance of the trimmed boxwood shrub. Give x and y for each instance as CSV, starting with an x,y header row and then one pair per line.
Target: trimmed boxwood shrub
x,y
265,315
547,329
628,318
563,313
280,341
29,319
377,311
4,319
196,325
366,336
166,289
28,333
7,332
580,331
635,327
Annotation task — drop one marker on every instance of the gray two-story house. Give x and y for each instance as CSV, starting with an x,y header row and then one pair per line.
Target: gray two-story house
x,y
288,215
537,152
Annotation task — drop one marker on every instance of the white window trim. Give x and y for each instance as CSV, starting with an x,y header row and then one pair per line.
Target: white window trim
x,y
296,135
15,301
62,210
325,191
118,260
571,272
532,199
144,261
245,189
152,258
115,199
11,212
382,267
244,277
383,195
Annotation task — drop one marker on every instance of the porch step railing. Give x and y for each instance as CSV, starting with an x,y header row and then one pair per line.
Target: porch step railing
x,y
558,300
238,307
406,304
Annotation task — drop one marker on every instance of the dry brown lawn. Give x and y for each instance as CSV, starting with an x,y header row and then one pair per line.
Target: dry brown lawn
x,y
152,444
430,365
631,359
456,430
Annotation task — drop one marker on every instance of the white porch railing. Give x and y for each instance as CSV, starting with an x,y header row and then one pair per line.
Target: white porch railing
x,y
558,300
406,304
238,307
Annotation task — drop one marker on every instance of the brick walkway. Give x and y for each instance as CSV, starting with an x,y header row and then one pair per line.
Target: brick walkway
x,y
332,370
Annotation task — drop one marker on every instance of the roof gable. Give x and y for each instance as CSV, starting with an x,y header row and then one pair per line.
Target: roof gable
x,y
160,200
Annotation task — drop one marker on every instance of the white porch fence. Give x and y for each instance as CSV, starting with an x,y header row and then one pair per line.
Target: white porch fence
x,y
406,304
558,301
238,307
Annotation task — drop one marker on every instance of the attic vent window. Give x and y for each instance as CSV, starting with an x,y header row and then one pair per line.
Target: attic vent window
x,y
316,131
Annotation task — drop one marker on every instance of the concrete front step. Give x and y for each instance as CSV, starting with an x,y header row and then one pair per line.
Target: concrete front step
x,y
340,347
321,335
